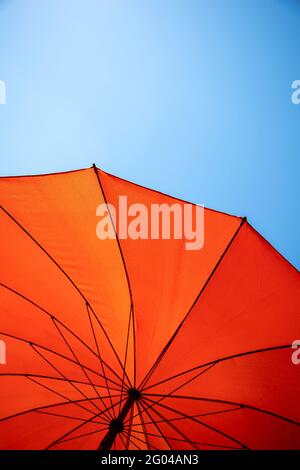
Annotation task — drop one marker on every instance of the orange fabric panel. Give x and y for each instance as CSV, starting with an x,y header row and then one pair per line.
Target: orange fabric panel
x,y
246,380
59,212
268,433
89,441
224,318
165,277
251,302
33,433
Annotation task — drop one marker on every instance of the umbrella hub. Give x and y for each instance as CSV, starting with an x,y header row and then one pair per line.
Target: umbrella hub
x,y
116,425
134,393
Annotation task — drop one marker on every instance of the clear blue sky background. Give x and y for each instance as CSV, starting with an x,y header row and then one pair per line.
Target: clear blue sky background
x,y
189,97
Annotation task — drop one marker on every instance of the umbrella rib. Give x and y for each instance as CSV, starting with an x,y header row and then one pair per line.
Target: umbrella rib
x,y
130,441
121,438
122,443
124,266
46,312
193,416
125,359
208,426
72,430
64,273
83,370
83,435
60,394
58,371
275,249
141,440
163,397
167,346
222,359
241,405
41,376
183,440
100,358
43,407
176,429
156,425
129,427
143,426
118,359
161,193
56,353
67,417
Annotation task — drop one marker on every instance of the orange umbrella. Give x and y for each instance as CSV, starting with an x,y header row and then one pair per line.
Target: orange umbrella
x,y
126,343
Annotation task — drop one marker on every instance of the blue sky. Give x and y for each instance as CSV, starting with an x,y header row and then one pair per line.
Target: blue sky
x,y
191,97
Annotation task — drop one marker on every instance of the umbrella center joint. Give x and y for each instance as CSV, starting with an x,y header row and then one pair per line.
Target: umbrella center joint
x,y
134,394
116,426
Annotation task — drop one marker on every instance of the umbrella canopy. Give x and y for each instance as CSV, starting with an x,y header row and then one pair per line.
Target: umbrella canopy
x,y
126,343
